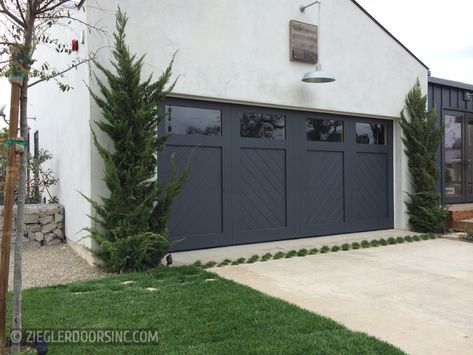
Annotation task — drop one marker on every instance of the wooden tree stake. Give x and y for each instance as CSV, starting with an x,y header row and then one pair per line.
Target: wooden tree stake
x,y
12,174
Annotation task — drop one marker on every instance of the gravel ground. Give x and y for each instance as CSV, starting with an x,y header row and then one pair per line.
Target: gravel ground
x,y
53,265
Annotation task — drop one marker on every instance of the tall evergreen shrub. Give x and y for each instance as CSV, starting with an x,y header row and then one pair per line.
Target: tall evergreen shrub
x,y
422,139
129,225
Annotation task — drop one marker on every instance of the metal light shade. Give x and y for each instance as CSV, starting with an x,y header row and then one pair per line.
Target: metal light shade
x,y
318,76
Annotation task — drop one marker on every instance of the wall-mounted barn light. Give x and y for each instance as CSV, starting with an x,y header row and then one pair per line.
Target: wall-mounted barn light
x,y
317,75
468,96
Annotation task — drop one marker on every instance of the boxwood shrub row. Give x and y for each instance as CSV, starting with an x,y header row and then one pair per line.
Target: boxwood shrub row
x,y
364,244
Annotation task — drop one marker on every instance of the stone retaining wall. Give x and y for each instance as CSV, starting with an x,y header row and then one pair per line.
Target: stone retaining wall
x,y
44,223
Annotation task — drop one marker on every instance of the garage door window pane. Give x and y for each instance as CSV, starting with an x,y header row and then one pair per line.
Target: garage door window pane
x,y
370,133
324,130
269,126
191,120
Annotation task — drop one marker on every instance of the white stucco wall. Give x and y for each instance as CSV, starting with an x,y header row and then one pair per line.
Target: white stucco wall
x,y
62,120
228,50
238,51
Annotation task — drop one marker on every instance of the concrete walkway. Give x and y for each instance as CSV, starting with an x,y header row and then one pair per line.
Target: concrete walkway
x,y
417,296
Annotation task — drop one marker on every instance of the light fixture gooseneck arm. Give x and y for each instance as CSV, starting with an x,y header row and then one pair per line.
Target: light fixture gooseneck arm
x,y
302,8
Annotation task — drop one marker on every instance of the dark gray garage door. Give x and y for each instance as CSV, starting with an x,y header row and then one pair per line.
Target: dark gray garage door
x,y
262,174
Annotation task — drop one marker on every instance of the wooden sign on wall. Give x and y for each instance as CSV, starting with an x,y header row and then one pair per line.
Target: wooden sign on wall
x,y
303,42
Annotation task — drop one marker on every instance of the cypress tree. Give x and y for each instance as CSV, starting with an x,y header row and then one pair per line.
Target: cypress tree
x,y
129,225
422,139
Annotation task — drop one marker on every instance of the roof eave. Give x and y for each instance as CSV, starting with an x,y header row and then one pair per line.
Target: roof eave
x,y
450,83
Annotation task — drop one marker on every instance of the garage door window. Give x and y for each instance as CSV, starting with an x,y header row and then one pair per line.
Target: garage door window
x,y
324,130
268,126
192,121
370,133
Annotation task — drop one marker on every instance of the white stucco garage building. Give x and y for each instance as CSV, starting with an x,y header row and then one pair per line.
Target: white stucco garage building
x,y
278,158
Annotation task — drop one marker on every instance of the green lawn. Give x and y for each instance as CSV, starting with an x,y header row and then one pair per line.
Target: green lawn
x,y
193,316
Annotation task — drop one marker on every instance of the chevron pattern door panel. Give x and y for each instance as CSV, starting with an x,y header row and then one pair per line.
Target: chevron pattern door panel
x,y
262,185
324,188
371,186
198,208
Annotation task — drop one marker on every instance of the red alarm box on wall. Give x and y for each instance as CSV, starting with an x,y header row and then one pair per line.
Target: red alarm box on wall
x,y
75,45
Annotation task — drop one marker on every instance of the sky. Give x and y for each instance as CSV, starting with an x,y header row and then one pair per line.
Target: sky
x,y
437,32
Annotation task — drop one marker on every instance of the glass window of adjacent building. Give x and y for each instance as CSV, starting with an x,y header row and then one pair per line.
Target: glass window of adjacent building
x,y
324,130
370,133
267,126
191,120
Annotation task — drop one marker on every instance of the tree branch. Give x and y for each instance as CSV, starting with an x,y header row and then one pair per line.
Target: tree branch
x,y
7,12
8,44
45,8
58,17
18,6
55,75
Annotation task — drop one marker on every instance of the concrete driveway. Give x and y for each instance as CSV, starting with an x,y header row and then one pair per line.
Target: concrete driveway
x,y
417,296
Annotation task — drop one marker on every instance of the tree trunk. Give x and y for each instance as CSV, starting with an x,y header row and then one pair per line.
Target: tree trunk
x,y
20,211
17,273
10,183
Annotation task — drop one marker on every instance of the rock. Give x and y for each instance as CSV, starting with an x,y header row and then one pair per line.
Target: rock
x,y
30,210
31,218
43,209
48,227
59,233
34,228
39,236
42,223
49,236
49,209
46,220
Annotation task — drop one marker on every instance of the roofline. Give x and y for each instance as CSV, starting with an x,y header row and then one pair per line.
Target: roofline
x,y
389,33
452,83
